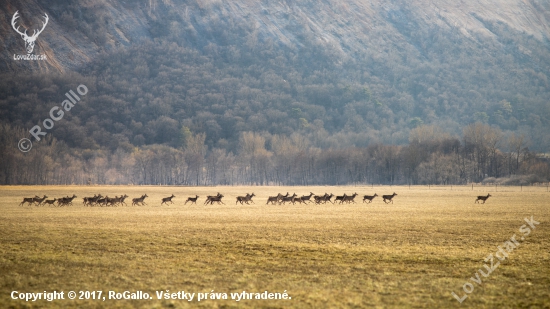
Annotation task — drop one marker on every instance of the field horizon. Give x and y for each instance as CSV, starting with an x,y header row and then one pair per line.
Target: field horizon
x,y
413,253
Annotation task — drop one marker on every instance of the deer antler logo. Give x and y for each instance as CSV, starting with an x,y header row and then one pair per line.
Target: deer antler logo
x,y
29,40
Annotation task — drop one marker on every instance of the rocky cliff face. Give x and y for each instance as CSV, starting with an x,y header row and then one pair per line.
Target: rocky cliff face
x,y
79,32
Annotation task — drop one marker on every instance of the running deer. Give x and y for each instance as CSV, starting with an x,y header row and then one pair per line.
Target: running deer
x,y
274,199
118,200
369,197
296,199
348,199
249,199
139,200
320,198
323,198
217,198
50,202
482,198
61,201
245,199
168,199
281,197
92,201
208,197
39,200
102,201
307,198
193,200
29,200
66,201
340,198
111,201
88,201
121,200
287,199
389,198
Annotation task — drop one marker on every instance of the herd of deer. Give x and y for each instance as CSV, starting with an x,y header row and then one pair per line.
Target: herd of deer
x,y
283,199
323,199
279,199
63,201
96,200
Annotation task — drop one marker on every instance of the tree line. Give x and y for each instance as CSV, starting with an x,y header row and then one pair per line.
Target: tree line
x,y
431,157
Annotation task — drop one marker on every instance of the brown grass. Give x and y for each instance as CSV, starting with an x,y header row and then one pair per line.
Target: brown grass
x,y
412,253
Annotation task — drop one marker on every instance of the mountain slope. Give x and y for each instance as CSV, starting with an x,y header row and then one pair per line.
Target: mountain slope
x,y
78,31
354,72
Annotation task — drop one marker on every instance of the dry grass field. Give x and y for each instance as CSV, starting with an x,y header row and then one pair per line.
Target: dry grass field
x,y
409,254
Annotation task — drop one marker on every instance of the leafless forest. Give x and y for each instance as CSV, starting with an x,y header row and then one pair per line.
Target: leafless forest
x,y
483,153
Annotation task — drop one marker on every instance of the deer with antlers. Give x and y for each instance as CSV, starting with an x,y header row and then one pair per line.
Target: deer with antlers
x,y
29,40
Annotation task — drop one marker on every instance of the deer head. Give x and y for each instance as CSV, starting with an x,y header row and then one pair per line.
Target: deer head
x,y
29,40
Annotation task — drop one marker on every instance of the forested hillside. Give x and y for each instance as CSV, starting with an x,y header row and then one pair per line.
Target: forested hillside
x,y
252,87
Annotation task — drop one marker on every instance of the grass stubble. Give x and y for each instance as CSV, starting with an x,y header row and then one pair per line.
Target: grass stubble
x,y
409,254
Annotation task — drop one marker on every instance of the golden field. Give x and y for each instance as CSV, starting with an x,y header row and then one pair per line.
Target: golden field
x,y
409,254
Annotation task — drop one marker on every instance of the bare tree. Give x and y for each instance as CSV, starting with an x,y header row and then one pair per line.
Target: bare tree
x,y
515,144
